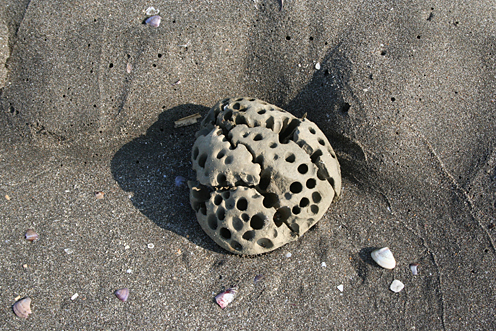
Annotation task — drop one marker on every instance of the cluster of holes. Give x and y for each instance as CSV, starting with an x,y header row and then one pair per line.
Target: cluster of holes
x,y
258,221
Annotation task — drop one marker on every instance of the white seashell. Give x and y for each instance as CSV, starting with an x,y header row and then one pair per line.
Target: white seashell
x,y
22,308
154,21
384,258
151,11
340,287
226,297
317,66
396,286
122,294
414,268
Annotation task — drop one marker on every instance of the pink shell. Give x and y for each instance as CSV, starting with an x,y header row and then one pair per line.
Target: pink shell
x,y
22,307
31,235
154,21
122,294
226,297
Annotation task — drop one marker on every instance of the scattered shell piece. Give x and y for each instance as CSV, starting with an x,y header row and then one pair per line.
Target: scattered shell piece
x,y
129,68
340,287
7,197
31,235
122,294
129,271
188,120
226,297
317,66
288,254
258,278
25,266
180,180
396,286
384,258
281,2
150,11
185,45
151,245
154,21
99,195
22,308
75,296
323,264
177,82
127,247
414,268
68,250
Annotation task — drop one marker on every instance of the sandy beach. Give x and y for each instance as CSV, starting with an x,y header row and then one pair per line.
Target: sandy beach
x,y
405,92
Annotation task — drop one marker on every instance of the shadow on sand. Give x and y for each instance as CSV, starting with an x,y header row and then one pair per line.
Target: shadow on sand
x,y
148,165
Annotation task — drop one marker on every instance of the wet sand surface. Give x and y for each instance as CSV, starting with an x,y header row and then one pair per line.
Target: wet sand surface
x,y
404,91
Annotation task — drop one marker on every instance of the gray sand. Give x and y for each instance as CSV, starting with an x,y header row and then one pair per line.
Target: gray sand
x,y
405,94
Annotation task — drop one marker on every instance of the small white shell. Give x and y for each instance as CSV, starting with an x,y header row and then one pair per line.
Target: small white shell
x,y
226,297
151,11
22,307
154,21
414,268
396,286
384,258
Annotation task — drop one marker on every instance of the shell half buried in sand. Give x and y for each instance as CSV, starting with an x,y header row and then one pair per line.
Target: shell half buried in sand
x,y
226,297
22,308
384,258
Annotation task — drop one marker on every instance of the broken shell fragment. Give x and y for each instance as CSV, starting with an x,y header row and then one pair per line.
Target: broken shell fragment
x,y
396,286
154,21
99,195
258,278
384,258
414,268
31,235
180,181
22,307
226,297
122,294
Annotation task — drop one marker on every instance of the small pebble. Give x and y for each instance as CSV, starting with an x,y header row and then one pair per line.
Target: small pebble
x,y
323,264
25,266
396,286
129,271
317,66
129,68
74,297
288,254
7,197
127,247
151,245
340,287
